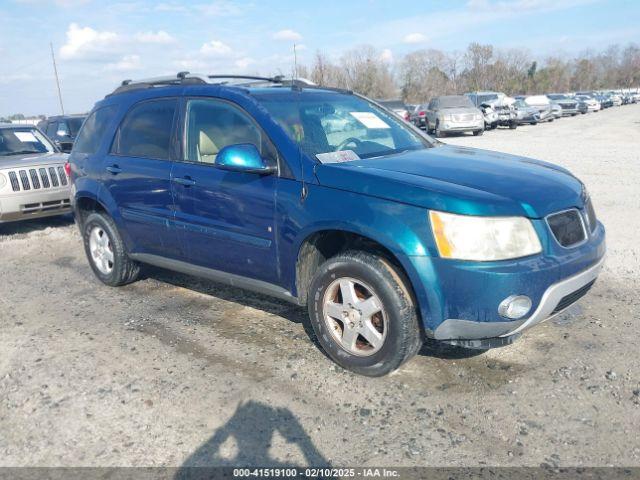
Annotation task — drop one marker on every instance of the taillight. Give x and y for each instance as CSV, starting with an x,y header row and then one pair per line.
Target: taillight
x,y
422,114
67,169
407,116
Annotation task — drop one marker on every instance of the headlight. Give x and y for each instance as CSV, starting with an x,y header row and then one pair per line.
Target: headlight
x,y
3,180
466,237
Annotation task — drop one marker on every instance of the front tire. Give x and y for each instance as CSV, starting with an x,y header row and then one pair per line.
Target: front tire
x,y
106,253
477,133
363,313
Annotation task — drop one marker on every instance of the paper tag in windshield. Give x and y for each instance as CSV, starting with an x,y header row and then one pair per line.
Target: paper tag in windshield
x,y
369,119
338,157
26,137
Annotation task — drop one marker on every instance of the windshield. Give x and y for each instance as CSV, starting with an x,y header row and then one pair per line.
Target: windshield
x,y
557,97
74,125
487,98
457,101
521,104
23,141
340,127
393,104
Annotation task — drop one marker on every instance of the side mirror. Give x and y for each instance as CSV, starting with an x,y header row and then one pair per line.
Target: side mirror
x,y
243,157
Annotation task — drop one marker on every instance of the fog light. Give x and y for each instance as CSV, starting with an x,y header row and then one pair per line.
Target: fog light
x,y
515,306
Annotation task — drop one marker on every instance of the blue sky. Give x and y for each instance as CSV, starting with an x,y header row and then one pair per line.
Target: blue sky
x,y
99,43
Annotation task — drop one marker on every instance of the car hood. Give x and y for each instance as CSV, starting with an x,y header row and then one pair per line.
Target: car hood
x,y
460,180
32,159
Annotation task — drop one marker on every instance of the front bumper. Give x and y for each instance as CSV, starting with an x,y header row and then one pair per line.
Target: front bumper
x,y
457,127
557,298
34,204
566,112
459,300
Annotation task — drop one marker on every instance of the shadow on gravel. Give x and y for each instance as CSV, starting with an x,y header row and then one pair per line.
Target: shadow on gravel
x,y
24,227
247,439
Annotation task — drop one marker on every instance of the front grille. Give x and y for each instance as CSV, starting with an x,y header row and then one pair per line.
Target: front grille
x,y
466,117
25,180
591,215
567,227
573,297
14,181
54,176
44,177
35,179
62,175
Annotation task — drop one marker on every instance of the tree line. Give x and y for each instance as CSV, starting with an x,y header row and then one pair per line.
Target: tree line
x,y
423,74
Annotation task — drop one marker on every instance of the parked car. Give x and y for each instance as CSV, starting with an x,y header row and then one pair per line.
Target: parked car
x,y
569,105
499,103
385,235
453,114
592,103
490,116
418,116
526,114
62,130
396,106
33,180
542,103
605,100
616,99
556,109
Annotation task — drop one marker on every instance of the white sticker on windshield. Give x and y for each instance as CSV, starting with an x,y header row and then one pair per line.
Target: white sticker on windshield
x,y
26,137
338,157
369,119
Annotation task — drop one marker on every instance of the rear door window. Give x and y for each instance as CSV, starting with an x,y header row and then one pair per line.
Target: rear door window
x,y
93,130
146,130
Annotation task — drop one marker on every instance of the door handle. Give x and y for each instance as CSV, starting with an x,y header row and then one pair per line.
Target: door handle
x,y
114,169
186,181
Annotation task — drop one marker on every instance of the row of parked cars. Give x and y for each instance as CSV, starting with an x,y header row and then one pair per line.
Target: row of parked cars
x,y
476,112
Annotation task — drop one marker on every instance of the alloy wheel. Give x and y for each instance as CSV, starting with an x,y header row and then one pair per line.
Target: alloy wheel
x,y
101,250
355,316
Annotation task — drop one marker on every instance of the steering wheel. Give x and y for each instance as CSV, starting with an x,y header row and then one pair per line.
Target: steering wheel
x,y
346,142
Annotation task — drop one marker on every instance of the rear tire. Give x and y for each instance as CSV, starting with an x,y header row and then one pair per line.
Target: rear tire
x,y
106,253
338,318
438,133
477,133
513,125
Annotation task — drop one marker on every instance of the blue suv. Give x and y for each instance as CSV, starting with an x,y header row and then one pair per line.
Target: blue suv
x,y
323,198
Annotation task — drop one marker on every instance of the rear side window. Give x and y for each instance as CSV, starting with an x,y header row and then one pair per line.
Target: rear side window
x,y
146,130
93,129
51,129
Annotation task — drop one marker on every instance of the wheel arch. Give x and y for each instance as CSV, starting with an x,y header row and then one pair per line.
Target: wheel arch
x,y
322,244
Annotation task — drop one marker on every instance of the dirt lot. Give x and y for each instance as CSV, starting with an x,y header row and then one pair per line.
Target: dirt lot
x,y
176,371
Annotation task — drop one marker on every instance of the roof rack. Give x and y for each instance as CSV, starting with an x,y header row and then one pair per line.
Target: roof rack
x,y
187,78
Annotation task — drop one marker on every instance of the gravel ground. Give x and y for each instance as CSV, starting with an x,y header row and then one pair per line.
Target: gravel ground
x,y
177,371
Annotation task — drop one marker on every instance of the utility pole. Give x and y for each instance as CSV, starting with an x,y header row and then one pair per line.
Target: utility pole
x,y
295,62
55,71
